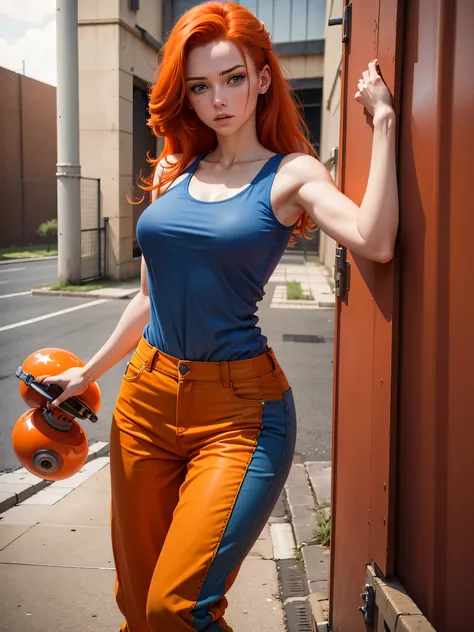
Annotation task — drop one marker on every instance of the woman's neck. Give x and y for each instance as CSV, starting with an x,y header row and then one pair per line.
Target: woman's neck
x,y
243,146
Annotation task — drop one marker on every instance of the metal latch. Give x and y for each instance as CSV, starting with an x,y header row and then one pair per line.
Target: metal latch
x,y
333,158
342,273
345,21
368,609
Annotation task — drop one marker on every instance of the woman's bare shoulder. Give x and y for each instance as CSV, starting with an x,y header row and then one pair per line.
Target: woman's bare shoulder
x,y
298,168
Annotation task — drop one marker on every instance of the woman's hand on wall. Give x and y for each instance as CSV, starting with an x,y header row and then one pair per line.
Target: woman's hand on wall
x,y
373,93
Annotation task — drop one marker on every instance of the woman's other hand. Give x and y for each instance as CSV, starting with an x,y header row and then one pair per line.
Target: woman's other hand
x,y
73,382
373,93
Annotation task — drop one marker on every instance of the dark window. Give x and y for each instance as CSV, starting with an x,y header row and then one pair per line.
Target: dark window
x,y
310,101
143,141
134,5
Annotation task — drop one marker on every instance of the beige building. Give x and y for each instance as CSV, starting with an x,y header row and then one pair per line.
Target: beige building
x,y
118,45
331,112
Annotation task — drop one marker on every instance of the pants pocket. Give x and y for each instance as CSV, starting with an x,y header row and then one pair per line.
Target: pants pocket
x,y
265,388
134,369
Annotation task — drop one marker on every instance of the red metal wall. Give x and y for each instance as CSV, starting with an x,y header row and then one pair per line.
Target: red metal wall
x,y
435,555
27,157
411,323
364,400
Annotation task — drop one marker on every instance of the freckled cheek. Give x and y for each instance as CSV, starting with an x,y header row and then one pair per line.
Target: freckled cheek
x,y
202,105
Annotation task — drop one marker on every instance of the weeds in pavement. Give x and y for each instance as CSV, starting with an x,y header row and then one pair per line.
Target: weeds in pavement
x,y
294,292
322,533
298,550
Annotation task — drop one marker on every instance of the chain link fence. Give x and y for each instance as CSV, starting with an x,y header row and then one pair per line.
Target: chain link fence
x,y
93,231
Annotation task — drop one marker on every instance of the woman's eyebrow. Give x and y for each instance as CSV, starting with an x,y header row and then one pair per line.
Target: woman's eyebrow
x,y
224,72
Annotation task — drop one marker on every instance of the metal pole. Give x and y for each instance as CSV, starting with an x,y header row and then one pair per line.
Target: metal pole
x,y
99,229
68,167
22,162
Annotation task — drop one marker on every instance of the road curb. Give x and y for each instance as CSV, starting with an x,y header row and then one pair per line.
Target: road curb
x,y
12,479
28,260
92,294
301,486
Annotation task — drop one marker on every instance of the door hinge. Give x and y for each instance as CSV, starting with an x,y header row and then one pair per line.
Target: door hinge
x,y
368,599
345,21
342,272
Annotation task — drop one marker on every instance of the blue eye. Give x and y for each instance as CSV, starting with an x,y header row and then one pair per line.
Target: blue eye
x,y
199,85
239,77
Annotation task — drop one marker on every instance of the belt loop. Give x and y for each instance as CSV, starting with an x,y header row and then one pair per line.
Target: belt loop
x,y
225,373
272,356
151,359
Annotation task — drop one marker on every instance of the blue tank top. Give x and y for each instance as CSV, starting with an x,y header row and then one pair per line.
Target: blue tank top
x,y
207,264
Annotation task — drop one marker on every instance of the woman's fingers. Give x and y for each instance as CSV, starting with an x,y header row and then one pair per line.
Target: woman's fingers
x,y
50,379
373,69
59,400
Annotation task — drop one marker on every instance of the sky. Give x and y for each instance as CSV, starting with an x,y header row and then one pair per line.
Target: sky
x,y
28,32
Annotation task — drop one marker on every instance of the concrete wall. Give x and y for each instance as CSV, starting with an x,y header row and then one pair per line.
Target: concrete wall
x,y
302,66
112,55
27,157
331,109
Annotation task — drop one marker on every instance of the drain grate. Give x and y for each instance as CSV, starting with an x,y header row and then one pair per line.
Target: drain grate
x,y
292,579
303,338
299,617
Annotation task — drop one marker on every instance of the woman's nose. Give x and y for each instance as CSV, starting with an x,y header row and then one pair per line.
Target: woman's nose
x,y
219,100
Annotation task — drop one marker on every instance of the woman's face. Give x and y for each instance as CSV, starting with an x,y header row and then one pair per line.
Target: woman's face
x,y
218,84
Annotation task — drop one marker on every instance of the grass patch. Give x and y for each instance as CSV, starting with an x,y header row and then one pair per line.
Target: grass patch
x,y
298,551
87,287
294,292
27,252
322,533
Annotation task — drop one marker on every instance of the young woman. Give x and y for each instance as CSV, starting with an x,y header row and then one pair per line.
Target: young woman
x,y
204,427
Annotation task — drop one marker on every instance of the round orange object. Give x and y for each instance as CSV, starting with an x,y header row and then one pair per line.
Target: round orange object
x,y
46,451
53,361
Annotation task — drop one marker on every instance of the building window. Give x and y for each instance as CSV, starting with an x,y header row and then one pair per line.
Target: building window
x,y
286,20
290,20
134,5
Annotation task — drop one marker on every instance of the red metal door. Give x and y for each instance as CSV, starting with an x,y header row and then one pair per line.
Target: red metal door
x,y
435,514
365,360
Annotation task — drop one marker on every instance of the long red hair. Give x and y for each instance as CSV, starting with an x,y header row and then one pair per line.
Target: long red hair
x,y
280,126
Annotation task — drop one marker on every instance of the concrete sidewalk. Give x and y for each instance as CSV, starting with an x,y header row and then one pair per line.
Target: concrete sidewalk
x,y
314,279
57,571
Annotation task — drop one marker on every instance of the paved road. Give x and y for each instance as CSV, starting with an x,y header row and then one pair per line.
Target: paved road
x,y
20,277
307,364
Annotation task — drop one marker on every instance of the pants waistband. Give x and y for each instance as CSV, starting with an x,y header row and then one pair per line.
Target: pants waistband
x,y
193,370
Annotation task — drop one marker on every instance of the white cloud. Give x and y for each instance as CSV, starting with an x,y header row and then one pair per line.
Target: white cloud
x,y
37,48
32,11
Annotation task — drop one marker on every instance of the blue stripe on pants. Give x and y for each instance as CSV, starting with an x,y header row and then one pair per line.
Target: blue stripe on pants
x,y
261,487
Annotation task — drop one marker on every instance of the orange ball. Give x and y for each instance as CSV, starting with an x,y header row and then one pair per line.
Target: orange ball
x,y
45,451
53,361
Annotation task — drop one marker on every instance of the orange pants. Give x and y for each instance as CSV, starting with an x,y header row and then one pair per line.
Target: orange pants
x,y
199,454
